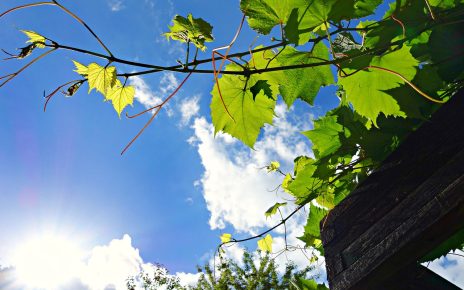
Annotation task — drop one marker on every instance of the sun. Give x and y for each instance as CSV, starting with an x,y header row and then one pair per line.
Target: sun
x,y
47,261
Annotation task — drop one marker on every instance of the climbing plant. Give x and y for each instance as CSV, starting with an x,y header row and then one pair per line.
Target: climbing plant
x,y
391,74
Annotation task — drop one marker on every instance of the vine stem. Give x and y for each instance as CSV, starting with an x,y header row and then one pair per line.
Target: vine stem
x,y
430,9
158,109
66,10
224,57
49,96
78,19
13,75
408,82
26,6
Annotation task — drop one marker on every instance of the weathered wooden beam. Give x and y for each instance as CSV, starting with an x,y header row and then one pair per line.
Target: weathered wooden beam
x,y
412,202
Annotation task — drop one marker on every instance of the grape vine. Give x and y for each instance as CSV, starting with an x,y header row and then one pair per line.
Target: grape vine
x,y
391,75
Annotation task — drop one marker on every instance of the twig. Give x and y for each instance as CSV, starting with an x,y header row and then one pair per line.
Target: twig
x,y
13,75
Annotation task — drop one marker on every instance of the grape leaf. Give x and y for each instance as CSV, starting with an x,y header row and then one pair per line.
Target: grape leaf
x,y
225,238
262,85
274,166
81,69
305,185
304,83
195,30
324,136
365,89
34,38
101,78
265,244
249,114
273,209
263,15
312,230
303,284
314,15
121,96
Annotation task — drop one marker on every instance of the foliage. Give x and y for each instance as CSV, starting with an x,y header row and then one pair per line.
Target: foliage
x,y
391,75
159,278
257,271
251,274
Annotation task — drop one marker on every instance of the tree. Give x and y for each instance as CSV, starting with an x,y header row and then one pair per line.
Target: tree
x,y
256,272
391,75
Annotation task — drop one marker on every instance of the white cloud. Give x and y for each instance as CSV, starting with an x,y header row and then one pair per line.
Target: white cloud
x,y
451,267
116,5
149,98
235,189
111,265
189,108
188,279
104,267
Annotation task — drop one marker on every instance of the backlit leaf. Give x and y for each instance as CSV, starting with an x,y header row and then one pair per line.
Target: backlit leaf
x,y
273,166
190,29
366,88
324,136
265,244
34,38
249,114
101,78
81,69
121,96
273,209
225,238
304,83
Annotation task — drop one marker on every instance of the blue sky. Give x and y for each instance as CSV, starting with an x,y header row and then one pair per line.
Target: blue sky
x,y
177,188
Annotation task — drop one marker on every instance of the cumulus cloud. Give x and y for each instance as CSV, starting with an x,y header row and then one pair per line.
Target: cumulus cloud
x,y
236,189
105,267
116,5
189,108
149,98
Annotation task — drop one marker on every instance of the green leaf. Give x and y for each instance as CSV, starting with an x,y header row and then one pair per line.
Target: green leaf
x,y
190,29
263,15
101,78
34,38
455,242
365,89
121,96
249,113
262,85
286,182
225,238
325,136
81,69
265,244
305,185
303,284
274,166
312,232
304,83
273,209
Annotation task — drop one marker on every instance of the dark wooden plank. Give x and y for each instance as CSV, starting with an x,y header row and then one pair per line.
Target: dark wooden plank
x,y
406,208
422,232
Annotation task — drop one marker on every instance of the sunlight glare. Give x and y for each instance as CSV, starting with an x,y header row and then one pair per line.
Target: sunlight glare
x,y
47,262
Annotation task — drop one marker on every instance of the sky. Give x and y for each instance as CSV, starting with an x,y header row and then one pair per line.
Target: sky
x,y
178,188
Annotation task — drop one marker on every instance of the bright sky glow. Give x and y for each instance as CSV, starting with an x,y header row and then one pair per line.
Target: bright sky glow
x,y
47,261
